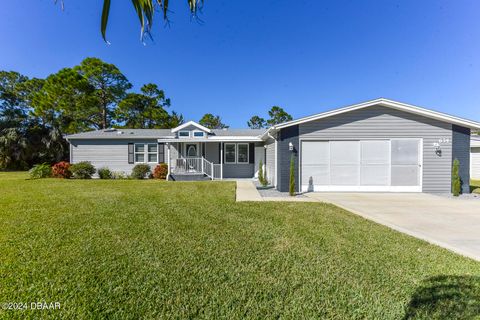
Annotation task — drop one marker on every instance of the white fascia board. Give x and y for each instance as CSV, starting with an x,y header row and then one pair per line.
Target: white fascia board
x,y
390,104
191,123
120,137
213,139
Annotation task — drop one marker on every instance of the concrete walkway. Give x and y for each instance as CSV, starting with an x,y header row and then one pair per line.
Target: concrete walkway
x,y
448,222
246,191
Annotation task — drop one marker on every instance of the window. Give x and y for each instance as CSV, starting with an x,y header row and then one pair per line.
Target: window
x,y
198,134
191,150
152,153
242,154
146,153
230,153
139,152
184,134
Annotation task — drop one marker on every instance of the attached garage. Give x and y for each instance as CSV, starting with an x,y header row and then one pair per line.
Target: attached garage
x,y
361,165
379,145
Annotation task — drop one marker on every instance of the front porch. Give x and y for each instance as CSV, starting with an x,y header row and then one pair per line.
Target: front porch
x,y
191,160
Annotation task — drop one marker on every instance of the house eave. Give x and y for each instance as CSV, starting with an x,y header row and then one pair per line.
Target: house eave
x,y
386,103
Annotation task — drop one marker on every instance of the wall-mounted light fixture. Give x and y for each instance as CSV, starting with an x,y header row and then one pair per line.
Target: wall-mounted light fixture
x,y
290,146
438,150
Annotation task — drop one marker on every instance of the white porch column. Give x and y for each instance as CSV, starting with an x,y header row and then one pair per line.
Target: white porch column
x,y
168,160
221,160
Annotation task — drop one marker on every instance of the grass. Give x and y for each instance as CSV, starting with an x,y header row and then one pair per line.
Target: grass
x,y
130,249
475,186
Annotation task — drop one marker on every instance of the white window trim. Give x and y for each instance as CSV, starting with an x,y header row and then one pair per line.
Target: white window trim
x,y
145,152
195,131
248,153
183,137
149,153
135,152
225,153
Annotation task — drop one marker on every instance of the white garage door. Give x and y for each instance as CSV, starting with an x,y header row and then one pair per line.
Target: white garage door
x,y
365,165
475,163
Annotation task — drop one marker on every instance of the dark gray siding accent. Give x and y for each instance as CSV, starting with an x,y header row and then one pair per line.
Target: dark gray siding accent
x,y
105,153
270,160
212,152
285,136
379,122
238,170
461,151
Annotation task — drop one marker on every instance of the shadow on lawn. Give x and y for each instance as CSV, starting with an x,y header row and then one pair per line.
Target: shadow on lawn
x,y
446,297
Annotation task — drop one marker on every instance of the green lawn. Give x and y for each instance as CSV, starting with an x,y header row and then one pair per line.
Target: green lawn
x,y
151,249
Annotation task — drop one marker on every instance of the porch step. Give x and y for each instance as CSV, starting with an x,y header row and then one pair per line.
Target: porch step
x,y
189,177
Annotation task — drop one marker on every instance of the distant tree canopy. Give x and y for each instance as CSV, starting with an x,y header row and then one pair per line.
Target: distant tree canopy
x,y
212,122
35,113
277,115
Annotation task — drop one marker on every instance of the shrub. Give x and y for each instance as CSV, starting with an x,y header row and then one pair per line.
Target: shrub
x,y
160,171
140,171
105,173
265,177
61,170
119,175
83,170
456,181
291,188
40,171
261,179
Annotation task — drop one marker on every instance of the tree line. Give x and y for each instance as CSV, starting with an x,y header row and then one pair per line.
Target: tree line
x,y
36,113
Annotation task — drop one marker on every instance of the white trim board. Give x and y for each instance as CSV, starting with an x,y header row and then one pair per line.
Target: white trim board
x,y
389,104
191,123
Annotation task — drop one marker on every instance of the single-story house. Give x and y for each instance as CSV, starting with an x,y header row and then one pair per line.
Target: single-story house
x,y
379,145
475,157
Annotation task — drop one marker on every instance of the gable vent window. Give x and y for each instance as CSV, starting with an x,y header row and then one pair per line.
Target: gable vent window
x,y
184,134
198,134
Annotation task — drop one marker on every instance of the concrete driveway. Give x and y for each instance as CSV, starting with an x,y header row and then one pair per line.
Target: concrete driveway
x,y
452,223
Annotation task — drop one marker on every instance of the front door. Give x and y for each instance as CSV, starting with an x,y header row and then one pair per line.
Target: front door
x,y
191,150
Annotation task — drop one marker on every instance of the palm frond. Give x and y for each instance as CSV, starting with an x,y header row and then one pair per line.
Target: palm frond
x,y
145,10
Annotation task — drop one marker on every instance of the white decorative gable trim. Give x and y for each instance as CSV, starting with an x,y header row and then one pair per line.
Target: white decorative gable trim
x,y
191,123
386,103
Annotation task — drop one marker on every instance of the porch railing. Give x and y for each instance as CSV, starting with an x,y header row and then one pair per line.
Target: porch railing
x,y
197,166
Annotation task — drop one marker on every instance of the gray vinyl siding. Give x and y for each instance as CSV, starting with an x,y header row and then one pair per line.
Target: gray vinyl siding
x,y
461,151
285,137
238,170
379,122
475,163
212,152
270,160
109,153
174,154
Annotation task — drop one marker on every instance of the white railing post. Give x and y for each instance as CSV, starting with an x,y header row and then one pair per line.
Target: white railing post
x,y
202,165
168,161
212,169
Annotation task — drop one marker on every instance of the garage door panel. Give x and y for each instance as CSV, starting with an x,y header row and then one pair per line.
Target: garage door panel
x,y
316,175
375,175
405,175
344,152
380,165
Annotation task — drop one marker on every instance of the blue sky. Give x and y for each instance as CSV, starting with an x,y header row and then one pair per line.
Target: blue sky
x,y
306,56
